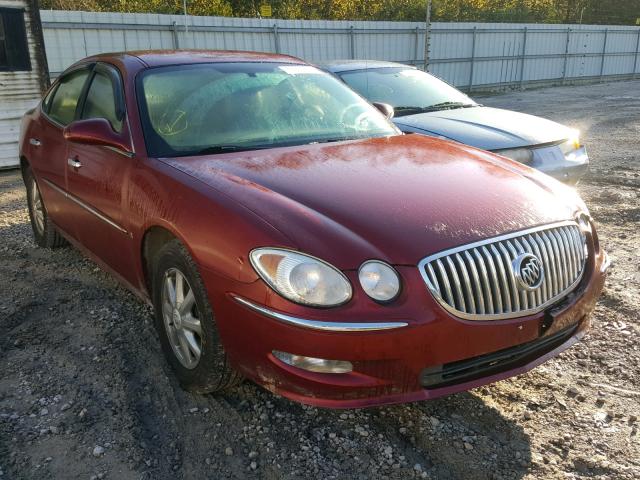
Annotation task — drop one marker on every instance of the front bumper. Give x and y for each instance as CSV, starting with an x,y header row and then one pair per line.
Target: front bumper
x,y
389,365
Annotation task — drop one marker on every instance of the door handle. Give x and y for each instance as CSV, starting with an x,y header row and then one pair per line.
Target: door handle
x,y
74,162
35,142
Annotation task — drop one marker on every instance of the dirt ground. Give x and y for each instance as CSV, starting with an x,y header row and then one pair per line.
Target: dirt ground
x,y
85,392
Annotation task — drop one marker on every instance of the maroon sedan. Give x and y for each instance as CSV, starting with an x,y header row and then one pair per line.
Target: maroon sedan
x,y
285,231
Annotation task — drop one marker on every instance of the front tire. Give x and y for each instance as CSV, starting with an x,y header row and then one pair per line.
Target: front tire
x,y
186,324
44,232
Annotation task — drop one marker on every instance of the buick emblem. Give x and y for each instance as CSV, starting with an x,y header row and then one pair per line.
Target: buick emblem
x,y
528,271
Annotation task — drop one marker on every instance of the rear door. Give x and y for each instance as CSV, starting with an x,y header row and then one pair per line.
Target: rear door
x,y
97,176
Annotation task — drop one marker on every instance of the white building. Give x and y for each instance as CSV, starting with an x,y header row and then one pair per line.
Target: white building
x,y
23,71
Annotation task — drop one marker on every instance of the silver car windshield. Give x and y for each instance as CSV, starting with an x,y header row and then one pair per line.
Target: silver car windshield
x,y
407,90
224,107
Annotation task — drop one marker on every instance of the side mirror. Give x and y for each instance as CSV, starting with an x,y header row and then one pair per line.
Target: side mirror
x,y
96,131
385,108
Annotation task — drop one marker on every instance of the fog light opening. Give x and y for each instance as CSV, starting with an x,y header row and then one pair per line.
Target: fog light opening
x,y
311,364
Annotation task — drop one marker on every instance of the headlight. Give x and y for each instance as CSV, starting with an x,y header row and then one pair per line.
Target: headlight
x,y
522,155
301,278
569,146
379,280
574,140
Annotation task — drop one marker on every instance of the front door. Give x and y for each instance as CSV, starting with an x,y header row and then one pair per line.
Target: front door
x,y
97,178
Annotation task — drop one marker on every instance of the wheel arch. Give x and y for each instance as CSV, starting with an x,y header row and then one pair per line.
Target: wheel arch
x,y
24,164
154,238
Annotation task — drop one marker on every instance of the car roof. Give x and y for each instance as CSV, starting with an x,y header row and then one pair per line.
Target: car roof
x,y
338,66
156,58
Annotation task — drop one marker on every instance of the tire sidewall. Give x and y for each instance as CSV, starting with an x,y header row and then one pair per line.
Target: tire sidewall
x,y
209,369
30,183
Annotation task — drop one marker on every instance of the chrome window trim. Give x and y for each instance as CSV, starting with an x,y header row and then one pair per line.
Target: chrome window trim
x,y
88,208
319,324
561,293
124,153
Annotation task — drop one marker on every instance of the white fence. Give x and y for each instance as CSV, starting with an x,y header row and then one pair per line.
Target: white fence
x,y
469,55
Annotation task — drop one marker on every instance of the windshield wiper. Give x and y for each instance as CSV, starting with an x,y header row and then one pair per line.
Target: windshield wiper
x,y
332,140
412,110
450,105
228,148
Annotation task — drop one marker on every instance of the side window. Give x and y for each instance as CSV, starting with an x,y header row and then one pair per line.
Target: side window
x,y
65,99
101,101
46,102
14,51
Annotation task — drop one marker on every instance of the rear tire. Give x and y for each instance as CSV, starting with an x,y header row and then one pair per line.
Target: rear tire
x,y
44,232
186,324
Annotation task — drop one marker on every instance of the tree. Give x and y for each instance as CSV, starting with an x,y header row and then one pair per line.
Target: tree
x,y
542,11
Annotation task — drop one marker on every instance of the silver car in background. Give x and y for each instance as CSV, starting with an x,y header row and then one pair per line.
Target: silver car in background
x,y
427,105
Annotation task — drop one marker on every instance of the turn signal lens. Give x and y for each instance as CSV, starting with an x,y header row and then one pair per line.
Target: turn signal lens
x,y
311,364
379,280
574,139
301,278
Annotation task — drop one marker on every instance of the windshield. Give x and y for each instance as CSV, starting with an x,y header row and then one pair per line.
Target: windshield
x,y
407,90
222,107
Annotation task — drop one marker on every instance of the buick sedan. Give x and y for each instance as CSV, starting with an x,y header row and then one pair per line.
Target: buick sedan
x,y
286,232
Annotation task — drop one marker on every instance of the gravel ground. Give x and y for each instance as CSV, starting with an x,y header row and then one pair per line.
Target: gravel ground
x,y
85,392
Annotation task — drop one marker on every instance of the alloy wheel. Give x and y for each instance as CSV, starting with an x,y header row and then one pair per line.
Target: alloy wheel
x,y
181,318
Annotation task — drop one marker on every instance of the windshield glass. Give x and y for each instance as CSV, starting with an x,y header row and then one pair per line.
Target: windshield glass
x,y
221,107
407,90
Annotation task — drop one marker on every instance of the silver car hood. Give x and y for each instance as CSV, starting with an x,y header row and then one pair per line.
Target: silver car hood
x,y
485,127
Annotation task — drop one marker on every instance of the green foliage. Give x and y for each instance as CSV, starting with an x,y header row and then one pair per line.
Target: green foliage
x,y
543,11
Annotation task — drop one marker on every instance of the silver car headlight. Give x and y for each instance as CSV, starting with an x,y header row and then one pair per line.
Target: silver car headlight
x,y
379,280
522,155
301,278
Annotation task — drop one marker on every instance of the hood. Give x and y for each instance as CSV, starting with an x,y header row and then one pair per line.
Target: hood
x,y
485,127
398,198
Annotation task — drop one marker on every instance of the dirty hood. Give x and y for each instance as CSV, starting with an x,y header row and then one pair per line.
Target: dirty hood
x,y
398,198
485,127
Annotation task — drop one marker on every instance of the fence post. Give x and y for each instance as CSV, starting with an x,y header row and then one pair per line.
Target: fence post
x,y
524,53
604,51
276,39
473,56
635,60
352,42
566,55
174,32
427,32
417,45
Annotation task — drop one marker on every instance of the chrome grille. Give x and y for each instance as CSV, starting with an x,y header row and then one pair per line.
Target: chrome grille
x,y
477,281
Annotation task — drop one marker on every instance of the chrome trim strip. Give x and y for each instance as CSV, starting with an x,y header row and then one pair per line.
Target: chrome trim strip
x,y
319,324
502,278
85,206
124,153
